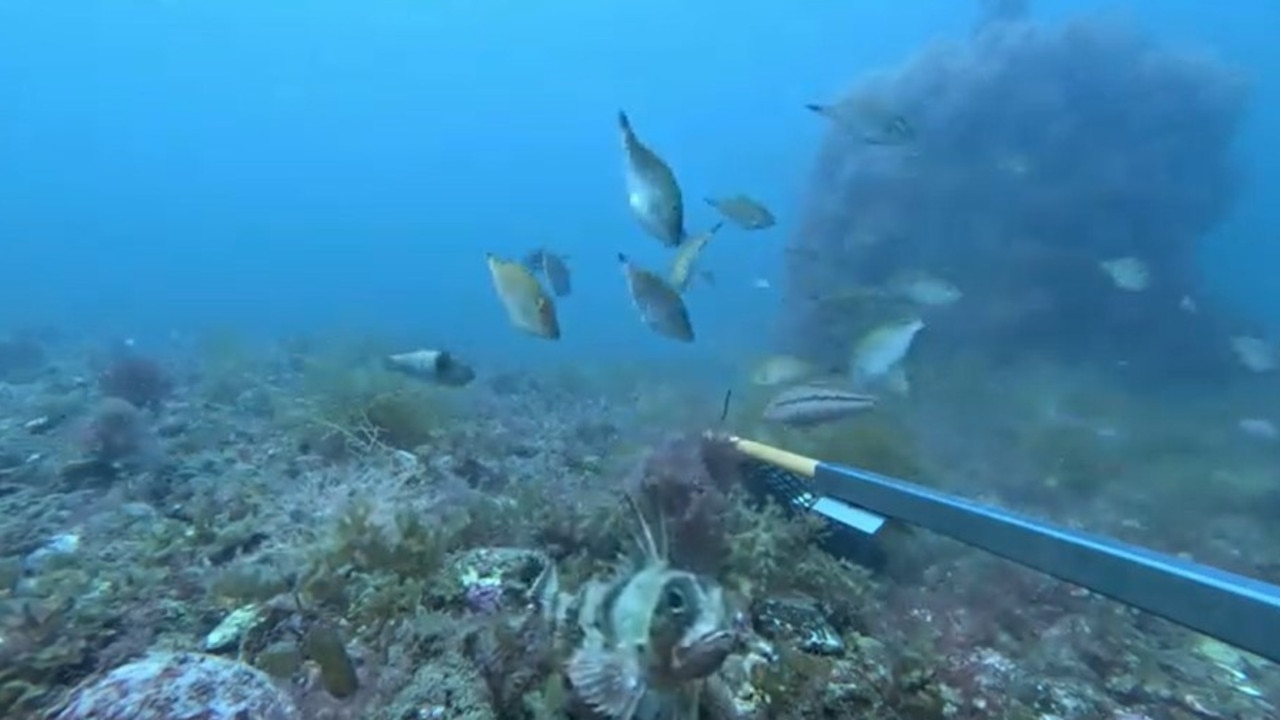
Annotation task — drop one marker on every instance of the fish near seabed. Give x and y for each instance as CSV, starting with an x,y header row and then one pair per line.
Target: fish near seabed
x,y
652,191
659,305
651,638
434,366
528,306
878,356
813,404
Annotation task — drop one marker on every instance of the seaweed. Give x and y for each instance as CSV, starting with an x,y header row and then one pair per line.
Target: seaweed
x,y
324,645
794,686
375,572
358,409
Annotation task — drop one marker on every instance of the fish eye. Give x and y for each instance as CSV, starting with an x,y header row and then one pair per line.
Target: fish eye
x,y
675,600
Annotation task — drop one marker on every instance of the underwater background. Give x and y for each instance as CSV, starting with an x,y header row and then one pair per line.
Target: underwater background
x,y
266,414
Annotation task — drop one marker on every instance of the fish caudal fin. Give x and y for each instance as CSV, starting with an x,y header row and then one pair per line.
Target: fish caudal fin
x,y
611,683
624,122
814,107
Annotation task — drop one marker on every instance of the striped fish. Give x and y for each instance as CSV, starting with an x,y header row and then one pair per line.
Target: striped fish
x,y
814,404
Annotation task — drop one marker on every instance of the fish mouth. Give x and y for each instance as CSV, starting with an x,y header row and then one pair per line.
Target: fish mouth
x,y
703,655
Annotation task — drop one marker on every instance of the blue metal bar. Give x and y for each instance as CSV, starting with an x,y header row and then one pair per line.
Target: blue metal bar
x,y
1233,608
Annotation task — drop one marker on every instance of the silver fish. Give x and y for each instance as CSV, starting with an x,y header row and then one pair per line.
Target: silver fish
x,y
743,211
814,404
652,191
659,305
687,257
434,366
871,119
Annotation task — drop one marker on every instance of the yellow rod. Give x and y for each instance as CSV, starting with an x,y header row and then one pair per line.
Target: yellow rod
x,y
785,459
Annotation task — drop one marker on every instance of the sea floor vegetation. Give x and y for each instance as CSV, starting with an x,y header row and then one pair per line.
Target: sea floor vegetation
x,y
297,533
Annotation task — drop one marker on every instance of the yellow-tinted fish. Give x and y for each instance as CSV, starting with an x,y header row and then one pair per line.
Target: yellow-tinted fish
x,y
659,305
554,268
652,191
687,256
745,212
528,305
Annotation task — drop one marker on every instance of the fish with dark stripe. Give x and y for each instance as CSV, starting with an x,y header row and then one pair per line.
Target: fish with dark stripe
x,y
814,404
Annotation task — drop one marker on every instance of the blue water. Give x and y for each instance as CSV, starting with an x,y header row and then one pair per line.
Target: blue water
x,y
170,165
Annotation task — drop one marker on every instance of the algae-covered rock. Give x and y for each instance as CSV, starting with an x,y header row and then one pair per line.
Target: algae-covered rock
x,y
234,627
165,686
446,689
486,580
798,621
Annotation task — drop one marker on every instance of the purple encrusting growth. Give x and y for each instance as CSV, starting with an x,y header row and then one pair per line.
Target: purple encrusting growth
x,y
180,686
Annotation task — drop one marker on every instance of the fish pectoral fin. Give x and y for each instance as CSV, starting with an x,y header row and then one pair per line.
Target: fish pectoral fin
x,y
610,682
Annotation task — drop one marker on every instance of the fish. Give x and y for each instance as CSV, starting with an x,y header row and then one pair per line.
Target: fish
x,y
653,194
878,356
652,637
874,123
1255,354
529,308
434,366
924,289
1260,428
1127,273
554,268
895,131
659,304
743,211
815,404
782,370
687,256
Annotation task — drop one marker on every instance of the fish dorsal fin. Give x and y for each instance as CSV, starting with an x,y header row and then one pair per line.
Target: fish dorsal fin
x,y
612,683
654,547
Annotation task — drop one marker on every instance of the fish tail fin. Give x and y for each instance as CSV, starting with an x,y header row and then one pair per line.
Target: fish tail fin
x,y
624,122
622,258
814,107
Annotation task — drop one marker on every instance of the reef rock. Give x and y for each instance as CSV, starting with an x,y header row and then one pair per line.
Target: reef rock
x,y
191,686
796,621
1040,152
